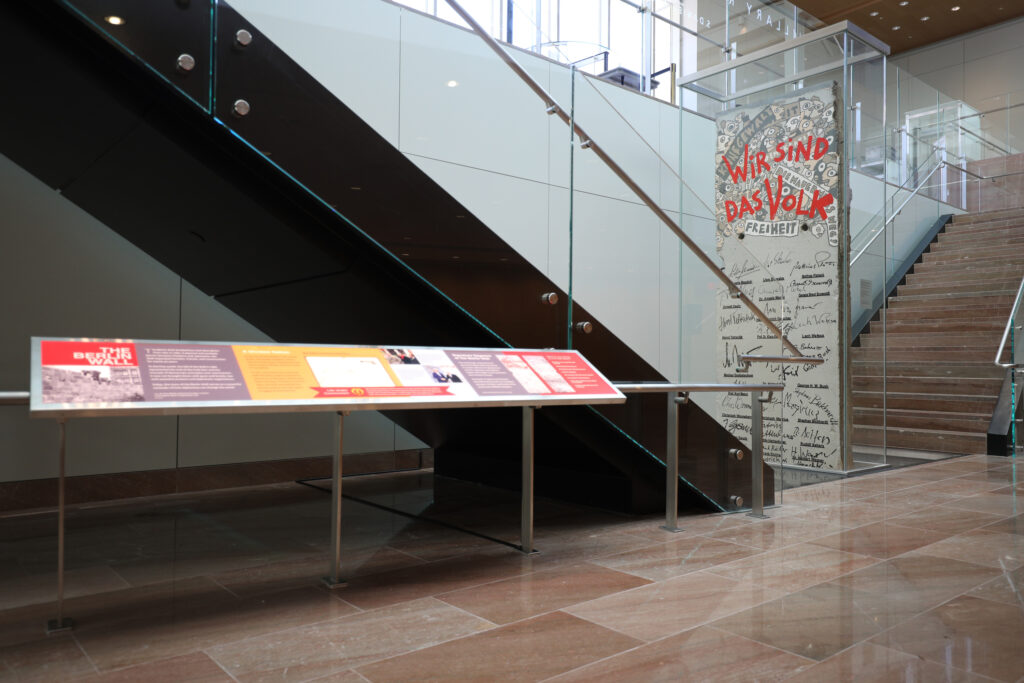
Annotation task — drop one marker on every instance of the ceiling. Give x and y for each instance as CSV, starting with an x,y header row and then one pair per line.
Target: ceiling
x,y
906,24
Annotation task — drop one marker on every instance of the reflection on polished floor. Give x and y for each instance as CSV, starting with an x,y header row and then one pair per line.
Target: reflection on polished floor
x,y
911,575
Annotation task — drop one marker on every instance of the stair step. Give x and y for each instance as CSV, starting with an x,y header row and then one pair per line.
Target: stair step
x,y
954,298
899,340
990,271
982,230
1000,277
958,237
935,369
982,253
916,401
952,313
930,385
952,354
922,419
920,439
1003,264
980,287
939,326
988,256
984,216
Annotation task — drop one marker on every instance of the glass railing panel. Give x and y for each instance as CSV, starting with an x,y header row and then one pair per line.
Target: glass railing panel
x,y
1016,355
173,39
455,181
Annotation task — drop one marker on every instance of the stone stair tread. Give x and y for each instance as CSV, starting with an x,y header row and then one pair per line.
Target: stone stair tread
x,y
910,412
952,296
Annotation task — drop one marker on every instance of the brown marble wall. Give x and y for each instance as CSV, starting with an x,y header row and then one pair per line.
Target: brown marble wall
x,y
1005,192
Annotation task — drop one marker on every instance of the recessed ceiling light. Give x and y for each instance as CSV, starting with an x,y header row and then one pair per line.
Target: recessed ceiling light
x,y
874,14
904,3
926,18
113,20
955,8
452,84
896,27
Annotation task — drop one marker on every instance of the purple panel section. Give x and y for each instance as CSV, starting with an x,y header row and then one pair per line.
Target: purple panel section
x,y
190,372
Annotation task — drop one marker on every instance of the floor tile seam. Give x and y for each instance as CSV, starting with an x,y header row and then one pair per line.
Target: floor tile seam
x,y
757,549
217,664
81,649
642,644
403,652
434,643
545,613
923,551
868,640
652,582
809,660
362,665
296,627
967,594
913,615
788,592
354,672
924,657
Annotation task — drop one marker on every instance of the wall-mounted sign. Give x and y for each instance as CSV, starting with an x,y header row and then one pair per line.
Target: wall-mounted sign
x,y
82,376
778,231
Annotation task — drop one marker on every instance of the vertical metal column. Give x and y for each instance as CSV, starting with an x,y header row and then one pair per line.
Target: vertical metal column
x,y
60,623
672,463
757,455
526,511
333,578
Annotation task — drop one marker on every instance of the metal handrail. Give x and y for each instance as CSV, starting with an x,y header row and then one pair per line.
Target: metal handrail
x,y
746,359
1008,330
14,398
662,387
982,177
588,142
679,394
896,212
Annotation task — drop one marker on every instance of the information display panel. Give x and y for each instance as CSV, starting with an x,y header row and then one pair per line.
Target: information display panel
x,y
92,377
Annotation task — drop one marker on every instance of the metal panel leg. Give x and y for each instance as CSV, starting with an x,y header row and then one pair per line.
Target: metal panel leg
x,y
672,464
526,511
756,456
61,623
333,578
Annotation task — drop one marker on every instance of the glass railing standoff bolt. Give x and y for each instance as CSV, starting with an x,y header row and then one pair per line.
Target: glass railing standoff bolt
x,y
737,501
585,327
549,298
241,108
186,62
736,453
242,38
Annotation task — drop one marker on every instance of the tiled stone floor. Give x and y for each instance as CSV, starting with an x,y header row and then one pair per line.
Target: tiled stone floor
x,y
910,575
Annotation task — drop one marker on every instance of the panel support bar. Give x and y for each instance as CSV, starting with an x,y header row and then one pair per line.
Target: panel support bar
x,y
333,578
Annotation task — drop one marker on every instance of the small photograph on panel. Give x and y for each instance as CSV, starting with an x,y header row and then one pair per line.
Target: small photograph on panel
x,y
401,357
94,384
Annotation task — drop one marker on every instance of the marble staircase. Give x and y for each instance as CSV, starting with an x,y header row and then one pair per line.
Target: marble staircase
x,y
941,331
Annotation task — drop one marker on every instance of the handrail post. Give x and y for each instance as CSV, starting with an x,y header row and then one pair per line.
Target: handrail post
x,y
672,462
61,623
757,455
333,578
526,499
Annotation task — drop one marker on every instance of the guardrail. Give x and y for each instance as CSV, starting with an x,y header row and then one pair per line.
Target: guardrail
x,y
678,394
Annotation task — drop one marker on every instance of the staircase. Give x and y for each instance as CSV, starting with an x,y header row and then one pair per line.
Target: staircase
x,y
943,324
